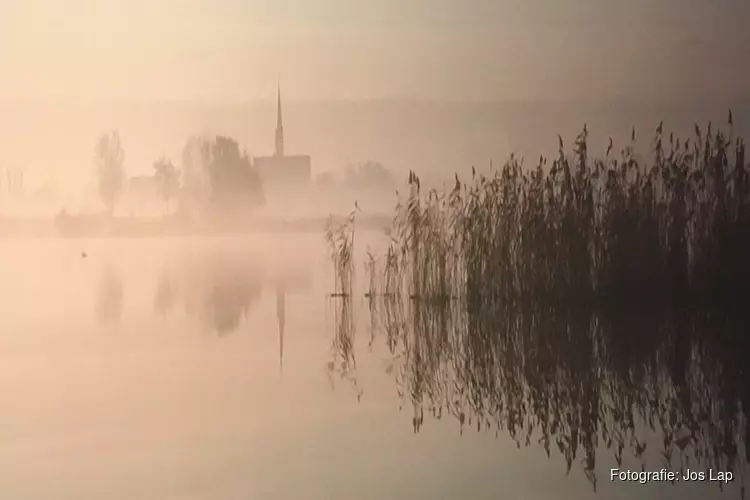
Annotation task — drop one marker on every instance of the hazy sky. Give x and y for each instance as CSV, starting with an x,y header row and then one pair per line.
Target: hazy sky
x,y
229,50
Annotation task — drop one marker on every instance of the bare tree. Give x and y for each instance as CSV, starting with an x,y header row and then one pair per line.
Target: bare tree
x,y
109,158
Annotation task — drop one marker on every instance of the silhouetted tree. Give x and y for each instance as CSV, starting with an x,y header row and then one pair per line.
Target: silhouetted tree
x,y
196,158
167,179
234,181
369,175
109,158
216,173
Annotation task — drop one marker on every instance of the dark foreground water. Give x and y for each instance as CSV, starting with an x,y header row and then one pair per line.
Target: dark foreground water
x,y
220,369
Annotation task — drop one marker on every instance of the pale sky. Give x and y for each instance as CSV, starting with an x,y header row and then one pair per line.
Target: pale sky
x,y
232,50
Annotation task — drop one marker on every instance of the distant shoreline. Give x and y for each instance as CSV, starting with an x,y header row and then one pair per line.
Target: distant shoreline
x,y
88,226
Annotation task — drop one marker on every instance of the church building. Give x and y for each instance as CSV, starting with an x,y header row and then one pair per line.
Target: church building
x,y
282,171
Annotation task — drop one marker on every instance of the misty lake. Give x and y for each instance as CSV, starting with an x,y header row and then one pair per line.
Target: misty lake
x,y
221,369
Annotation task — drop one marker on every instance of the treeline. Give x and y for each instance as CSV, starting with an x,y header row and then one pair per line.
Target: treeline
x,y
363,176
215,176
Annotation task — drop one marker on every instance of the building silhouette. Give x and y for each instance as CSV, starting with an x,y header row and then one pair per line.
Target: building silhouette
x,y
282,171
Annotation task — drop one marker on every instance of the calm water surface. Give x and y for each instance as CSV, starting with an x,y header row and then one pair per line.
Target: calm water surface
x,y
219,369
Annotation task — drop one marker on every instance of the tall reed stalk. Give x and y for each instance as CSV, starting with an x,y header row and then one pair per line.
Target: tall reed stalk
x,y
584,233
340,239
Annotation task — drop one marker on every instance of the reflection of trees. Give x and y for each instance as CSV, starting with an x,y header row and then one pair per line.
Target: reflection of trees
x,y
109,297
576,382
218,290
281,319
167,291
223,289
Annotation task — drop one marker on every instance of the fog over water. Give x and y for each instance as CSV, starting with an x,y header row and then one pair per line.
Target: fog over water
x,y
52,142
151,369
183,319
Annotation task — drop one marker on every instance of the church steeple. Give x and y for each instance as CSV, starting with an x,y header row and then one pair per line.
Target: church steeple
x,y
279,125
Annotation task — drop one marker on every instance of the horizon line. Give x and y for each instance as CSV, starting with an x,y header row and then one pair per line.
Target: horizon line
x,y
213,102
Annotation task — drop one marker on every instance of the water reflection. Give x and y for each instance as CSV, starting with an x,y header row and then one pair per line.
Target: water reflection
x,y
109,297
668,391
219,289
167,292
343,361
229,294
597,390
281,318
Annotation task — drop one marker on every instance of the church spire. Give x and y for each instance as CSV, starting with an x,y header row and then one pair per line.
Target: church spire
x,y
279,125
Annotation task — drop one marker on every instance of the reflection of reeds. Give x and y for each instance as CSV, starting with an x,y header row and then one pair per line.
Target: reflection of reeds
x,y
371,270
343,361
578,382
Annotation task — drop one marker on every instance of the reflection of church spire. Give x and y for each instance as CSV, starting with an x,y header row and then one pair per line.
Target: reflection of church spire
x,y
279,125
281,317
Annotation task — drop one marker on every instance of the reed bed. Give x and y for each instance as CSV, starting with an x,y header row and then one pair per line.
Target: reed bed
x,y
340,240
550,302
583,232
